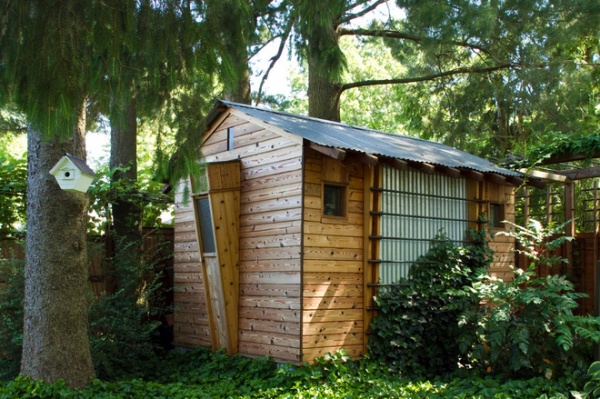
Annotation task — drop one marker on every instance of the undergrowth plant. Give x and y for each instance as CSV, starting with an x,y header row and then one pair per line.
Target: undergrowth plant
x,y
417,328
591,388
123,324
11,316
526,327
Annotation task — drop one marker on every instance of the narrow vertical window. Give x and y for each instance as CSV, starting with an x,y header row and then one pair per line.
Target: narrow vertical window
x,y
230,138
496,215
205,221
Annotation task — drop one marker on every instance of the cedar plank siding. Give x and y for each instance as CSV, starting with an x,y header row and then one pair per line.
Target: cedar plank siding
x,y
333,303
270,244
502,245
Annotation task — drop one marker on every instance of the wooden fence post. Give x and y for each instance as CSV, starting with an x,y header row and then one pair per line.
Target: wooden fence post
x,y
597,304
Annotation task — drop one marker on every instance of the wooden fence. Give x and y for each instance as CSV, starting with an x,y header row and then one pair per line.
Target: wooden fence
x,y
157,248
582,254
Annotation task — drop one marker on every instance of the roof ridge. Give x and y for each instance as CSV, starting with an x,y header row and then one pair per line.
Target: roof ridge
x,y
324,121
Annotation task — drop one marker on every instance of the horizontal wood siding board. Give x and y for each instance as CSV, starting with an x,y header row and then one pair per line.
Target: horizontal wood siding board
x,y
342,327
265,254
331,315
328,340
273,241
275,228
277,152
287,190
332,303
270,290
320,266
270,326
288,303
251,184
309,354
273,338
328,289
281,353
290,278
271,314
191,341
255,266
269,217
272,205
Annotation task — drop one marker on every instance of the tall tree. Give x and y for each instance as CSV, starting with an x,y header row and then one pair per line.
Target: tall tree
x,y
501,66
44,66
157,48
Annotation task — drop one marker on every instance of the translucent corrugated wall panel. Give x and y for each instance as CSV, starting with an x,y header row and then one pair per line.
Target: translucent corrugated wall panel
x,y
415,207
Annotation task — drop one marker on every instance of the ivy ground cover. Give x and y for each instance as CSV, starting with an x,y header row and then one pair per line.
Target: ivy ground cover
x,y
202,374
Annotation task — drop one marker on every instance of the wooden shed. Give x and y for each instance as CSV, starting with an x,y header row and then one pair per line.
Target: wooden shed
x,y
280,246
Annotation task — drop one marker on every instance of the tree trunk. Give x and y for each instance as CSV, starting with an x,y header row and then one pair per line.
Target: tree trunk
x,y
325,58
323,94
126,212
55,331
239,89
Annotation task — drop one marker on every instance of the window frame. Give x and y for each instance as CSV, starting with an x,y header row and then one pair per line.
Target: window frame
x,y
343,201
495,218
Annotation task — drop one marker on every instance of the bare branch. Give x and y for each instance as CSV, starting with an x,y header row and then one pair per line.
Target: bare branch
x,y
434,76
385,33
350,17
274,60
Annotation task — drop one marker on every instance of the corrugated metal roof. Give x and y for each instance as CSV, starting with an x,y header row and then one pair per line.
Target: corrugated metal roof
x,y
339,135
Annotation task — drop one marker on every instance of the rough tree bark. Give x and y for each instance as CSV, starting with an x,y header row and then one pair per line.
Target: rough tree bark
x,y
123,154
126,213
55,332
324,86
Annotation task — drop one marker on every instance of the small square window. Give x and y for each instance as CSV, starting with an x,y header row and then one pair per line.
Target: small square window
x,y
334,200
496,215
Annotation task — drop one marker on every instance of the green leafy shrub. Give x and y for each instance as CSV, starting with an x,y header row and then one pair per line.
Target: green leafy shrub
x,y
526,327
11,316
123,324
145,193
13,192
417,329
592,387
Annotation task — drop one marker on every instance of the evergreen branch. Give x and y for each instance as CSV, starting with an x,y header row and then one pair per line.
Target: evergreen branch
x,y
17,130
458,71
386,33
350,17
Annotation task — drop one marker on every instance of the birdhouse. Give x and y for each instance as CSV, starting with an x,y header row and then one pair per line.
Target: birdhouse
x,y
73,174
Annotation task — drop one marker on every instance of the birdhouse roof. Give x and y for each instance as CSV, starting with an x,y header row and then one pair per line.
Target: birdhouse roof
x,y
77,162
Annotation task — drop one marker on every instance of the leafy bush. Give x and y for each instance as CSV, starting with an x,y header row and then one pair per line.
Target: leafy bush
x,y
417,330
11,316
13,192
592,387
123,324
145,192
526,327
